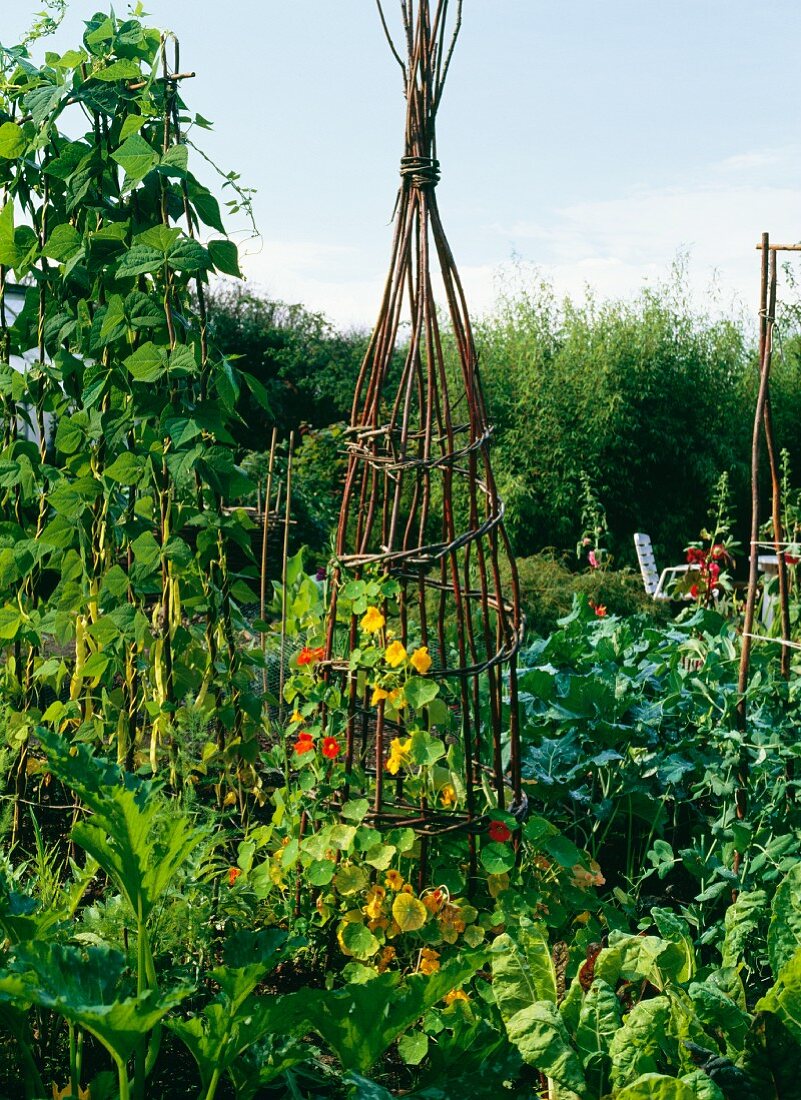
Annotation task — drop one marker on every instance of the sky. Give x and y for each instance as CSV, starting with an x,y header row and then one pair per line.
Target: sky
x,y
586,142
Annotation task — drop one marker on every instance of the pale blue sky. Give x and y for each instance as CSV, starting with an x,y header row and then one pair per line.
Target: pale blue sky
x,y
592,139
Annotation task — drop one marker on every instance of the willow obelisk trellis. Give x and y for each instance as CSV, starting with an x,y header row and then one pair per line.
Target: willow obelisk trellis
x,y
420,501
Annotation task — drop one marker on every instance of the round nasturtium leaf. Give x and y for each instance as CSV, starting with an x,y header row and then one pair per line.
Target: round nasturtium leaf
x,y
473,935
380,856
413,1047
497,858
409,912
320,872
350,879
357,940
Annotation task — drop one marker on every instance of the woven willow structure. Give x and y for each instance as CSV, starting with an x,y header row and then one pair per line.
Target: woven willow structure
x,y
420,502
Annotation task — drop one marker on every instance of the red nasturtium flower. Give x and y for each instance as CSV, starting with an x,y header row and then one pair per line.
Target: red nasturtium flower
x,y
309,656
304,743
233,875
600,610
331,747
500,831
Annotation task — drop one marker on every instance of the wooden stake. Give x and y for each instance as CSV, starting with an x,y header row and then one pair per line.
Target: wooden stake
x,y
284,574
265,530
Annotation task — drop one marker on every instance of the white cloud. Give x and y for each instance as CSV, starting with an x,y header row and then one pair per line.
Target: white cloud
x,y
332,279
614,245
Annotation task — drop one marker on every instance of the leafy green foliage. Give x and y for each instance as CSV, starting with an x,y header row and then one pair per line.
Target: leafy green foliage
x,y
635,395
602,935
114,523
360,1022
522,970
138,846
87,987
236,1020
305,371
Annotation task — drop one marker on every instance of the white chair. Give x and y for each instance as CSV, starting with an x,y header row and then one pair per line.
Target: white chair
x,y
656,584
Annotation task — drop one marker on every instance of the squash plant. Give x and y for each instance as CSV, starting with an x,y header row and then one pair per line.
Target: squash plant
x,y
117,604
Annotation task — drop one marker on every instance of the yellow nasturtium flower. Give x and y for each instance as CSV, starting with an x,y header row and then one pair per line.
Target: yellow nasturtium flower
x,y
447,795
372,620
378,695
420,660
375,902
395,654
398,754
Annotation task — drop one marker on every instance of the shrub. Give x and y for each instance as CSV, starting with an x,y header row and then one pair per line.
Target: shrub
x,y
547,588
639,395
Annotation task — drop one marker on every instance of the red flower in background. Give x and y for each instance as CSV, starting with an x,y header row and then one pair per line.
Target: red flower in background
x,y
304,743
500,831
331,747
233,875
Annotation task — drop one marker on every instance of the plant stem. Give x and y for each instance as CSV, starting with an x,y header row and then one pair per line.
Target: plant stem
x,y
211,1092
122,1075
73,1062
141,987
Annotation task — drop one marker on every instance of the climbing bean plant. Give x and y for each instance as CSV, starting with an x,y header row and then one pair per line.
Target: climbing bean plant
x,y
119,613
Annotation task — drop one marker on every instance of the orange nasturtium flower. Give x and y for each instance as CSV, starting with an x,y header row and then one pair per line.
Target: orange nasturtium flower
x,y
375,902
395,654
429,961
420,660
309,656
304,743
233,875
434,900
393,880
372,620
385,958
455,995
